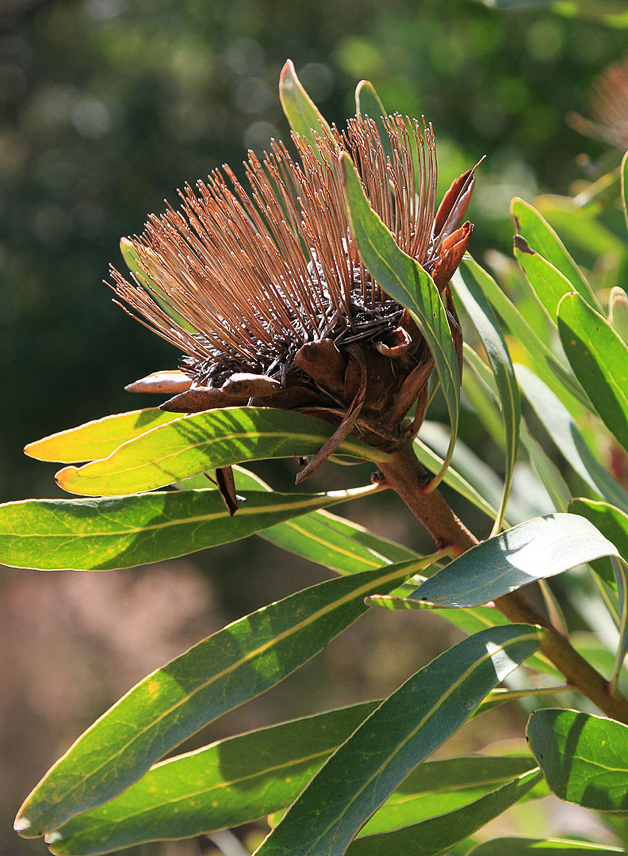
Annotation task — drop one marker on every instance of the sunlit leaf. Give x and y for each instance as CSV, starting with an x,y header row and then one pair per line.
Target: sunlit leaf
x,y
539,548
407,727
99,438
204,441
548,282
234,665
121,532
228,783
618,312
584,758
542,238
599,359
405,280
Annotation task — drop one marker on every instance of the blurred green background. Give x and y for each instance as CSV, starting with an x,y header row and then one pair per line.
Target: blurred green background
x,y
108,106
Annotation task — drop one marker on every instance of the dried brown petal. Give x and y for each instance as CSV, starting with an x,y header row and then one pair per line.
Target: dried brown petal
x,y
250,385
197,399
167,383
324,363
453,249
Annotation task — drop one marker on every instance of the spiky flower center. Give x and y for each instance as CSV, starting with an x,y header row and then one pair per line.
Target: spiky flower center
x,y
240,281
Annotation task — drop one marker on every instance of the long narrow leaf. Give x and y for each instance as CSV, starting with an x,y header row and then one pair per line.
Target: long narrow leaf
x,y
624,186
103,534
303,115
368,103
234,665
524,333
539,847
564,432
420,716
98,438
547,282
599,359
406,282
436,835
539,548
228,783
485,322
204,441
542,238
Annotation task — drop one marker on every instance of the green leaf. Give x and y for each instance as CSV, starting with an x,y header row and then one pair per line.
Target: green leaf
x,y
538,847
548,283
204,441
568,439
434,462
612,522
228,783
469,621
303,115
368,103
599,359
539,548
581,223
99,438
321,537
524,333
487,325
621,575
233,666
406,282
542,238
103,534
546,470
438,834
618,312
336,543
407,727
584,758
439,787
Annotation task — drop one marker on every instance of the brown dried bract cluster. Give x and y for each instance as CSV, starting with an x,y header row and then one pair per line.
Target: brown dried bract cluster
x,y
265,293
608,102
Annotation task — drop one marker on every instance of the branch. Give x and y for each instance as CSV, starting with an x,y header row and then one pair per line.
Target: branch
x,y
404,474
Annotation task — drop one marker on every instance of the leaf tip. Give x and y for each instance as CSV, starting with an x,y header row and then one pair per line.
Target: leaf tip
x,y
64,475
21,824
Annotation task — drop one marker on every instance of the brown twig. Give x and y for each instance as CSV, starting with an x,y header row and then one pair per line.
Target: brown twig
x,y
404,474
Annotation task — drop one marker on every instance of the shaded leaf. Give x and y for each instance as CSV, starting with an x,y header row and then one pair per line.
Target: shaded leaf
x,y
104,533
204,441
368,103
228,783
567,437
538,847
99,438
524,333
229,668
406,282
584,758
539,548
302,114
407,727
599,359
485,322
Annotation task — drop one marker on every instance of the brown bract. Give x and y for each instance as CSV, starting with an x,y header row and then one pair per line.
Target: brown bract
x,y
266,295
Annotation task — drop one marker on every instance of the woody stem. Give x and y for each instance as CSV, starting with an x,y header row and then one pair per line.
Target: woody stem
x,y
404,474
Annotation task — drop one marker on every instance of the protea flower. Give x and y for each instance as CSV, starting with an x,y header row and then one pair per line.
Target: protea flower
x,y
608,103
265,293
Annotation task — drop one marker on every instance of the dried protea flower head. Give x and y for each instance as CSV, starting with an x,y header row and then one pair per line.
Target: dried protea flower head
x,y
608,103
265,293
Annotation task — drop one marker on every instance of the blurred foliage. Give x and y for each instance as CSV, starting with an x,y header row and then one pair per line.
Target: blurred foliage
x,y
109,105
